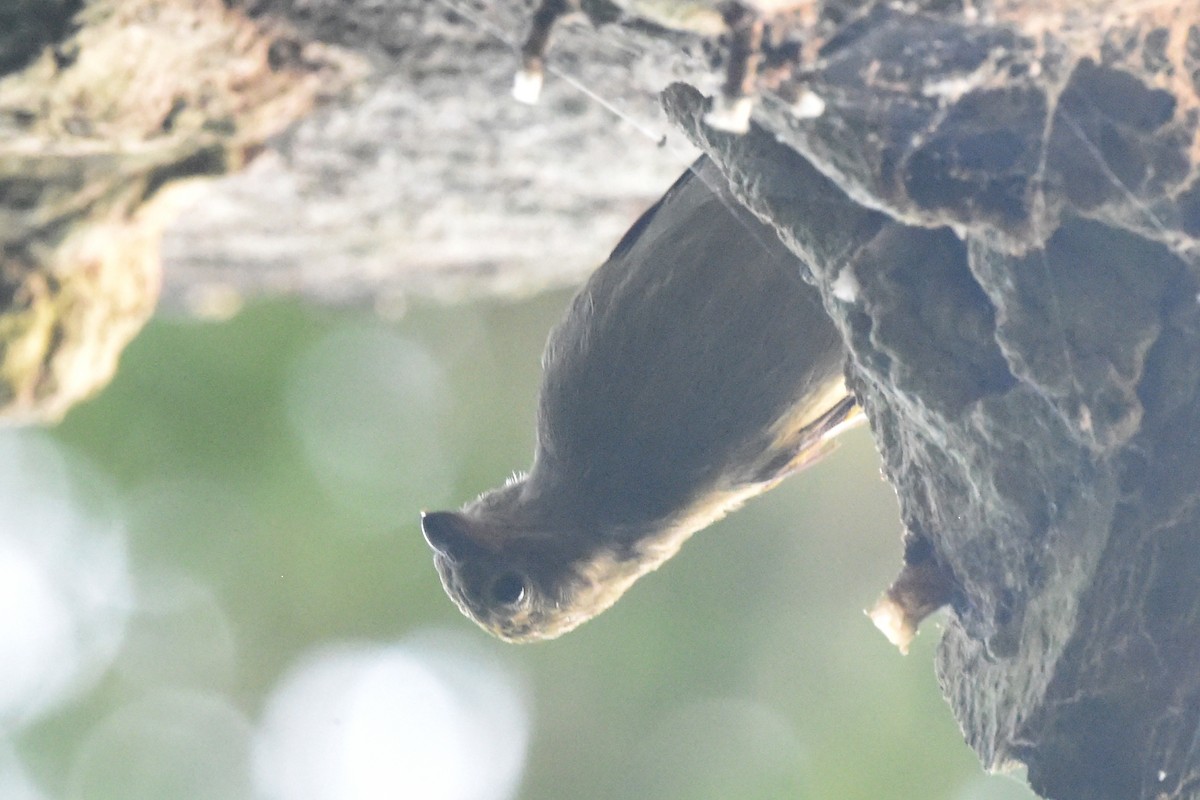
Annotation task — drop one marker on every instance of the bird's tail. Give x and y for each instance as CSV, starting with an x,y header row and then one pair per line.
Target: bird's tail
x,y
815,441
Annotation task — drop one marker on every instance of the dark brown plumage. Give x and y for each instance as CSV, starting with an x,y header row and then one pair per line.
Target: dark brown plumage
x,y
694,370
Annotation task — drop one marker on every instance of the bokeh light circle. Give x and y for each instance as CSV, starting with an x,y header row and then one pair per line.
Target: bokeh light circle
x,y
181,745
433,716
65,589
368,408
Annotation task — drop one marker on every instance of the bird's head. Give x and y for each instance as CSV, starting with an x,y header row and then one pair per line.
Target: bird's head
x,y
521,575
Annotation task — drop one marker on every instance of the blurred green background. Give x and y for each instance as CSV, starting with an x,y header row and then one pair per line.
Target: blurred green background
x,y
215,587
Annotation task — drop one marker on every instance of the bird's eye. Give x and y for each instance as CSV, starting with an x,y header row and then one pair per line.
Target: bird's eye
x,y
508,589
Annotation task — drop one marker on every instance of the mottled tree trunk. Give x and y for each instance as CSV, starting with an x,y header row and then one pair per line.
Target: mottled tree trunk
x,y
1006,235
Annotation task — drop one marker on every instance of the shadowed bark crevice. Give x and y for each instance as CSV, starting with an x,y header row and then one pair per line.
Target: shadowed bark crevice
x,y
1037,413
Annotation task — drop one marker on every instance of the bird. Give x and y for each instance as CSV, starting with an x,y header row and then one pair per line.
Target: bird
x,y
694,370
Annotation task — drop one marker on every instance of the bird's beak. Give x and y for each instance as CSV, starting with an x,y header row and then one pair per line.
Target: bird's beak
x,y
446,532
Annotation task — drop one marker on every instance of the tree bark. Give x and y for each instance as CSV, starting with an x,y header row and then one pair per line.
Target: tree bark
x,y
1014,269
386,160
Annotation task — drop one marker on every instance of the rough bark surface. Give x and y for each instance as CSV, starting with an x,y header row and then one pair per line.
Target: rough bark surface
x,y
429,180
1016,276
417,174
103,107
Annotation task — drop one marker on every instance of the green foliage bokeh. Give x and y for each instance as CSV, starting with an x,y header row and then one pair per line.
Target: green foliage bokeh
x,y
743,668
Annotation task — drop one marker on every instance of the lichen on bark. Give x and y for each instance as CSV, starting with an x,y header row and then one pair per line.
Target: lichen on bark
x,y
103,109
